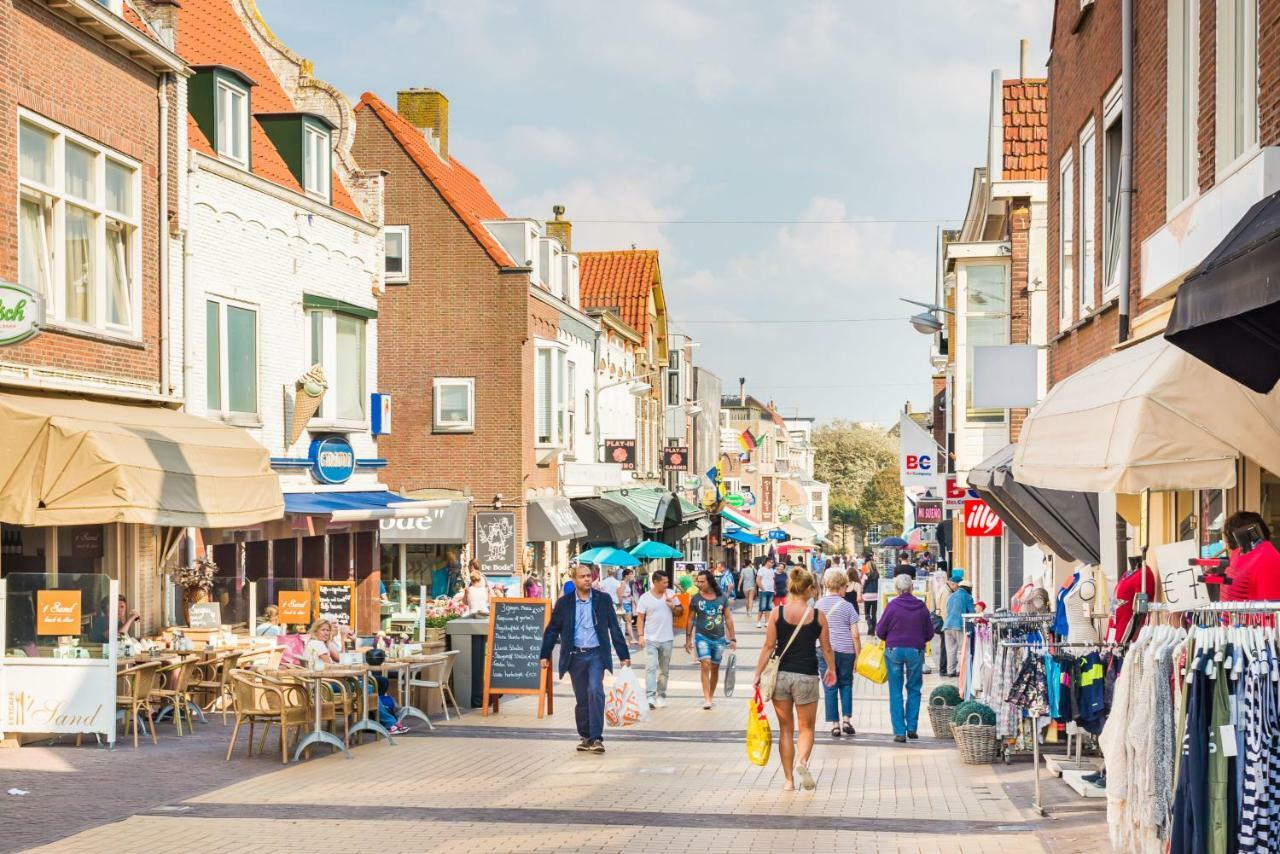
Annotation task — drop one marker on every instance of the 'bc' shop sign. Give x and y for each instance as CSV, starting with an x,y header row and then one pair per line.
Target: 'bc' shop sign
x,y
332,459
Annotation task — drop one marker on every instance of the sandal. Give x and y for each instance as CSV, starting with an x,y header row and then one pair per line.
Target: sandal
x,y
848,729
835,731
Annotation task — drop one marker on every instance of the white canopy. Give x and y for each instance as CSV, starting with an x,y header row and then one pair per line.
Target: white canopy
x,y
1147,417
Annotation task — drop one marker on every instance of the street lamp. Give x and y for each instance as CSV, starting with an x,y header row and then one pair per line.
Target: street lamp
x,y
926,322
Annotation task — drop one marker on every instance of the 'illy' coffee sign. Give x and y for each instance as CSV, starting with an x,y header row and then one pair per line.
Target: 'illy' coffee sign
x,y
21,313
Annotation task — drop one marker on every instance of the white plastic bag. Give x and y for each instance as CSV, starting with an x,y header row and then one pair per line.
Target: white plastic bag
x,y
625,703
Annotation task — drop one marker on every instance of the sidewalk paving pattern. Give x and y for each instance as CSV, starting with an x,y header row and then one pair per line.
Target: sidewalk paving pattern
x,y
511,782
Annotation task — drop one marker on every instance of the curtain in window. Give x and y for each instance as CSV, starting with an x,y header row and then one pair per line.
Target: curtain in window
x,y
35,155
119,280
33,247
242,359
350,366
79,260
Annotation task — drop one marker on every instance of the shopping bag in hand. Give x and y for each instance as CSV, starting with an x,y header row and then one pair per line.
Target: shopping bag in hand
x,y
759,734
870,663
729,672
625,703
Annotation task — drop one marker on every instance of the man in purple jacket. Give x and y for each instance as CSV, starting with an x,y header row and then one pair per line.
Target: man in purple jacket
x,y
906,626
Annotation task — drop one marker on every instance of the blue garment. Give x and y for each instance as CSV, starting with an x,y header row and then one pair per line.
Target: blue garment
x,y
906,670
1060,627
561,630
568,588
710,649
586,671
439,582
959,603
840,695
584,624
1053,685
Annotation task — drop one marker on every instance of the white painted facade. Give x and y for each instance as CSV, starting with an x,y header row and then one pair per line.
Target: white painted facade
x,y
617,404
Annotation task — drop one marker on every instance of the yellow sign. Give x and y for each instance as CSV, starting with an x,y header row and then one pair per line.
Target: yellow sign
x,y
58,612
294,607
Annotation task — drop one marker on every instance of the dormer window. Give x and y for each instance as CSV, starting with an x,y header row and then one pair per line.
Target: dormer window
x,y
232,123
315,166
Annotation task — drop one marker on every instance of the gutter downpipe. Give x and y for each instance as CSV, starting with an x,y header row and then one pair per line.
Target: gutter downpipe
x,y
162,96
1124,247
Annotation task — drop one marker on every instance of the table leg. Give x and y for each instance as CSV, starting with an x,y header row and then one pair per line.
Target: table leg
x,y
318,735
373,725
406,709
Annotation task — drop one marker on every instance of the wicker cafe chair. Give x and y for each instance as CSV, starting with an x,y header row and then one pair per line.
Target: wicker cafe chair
x,y
177,694
134,686
267,658
260,699
440,682
212,679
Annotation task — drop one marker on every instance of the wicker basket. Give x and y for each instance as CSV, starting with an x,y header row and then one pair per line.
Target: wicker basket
x,y
940,718
977,742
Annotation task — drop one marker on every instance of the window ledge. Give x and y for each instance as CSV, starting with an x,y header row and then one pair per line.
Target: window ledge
x,y
92,334
249,421
399,280
445,430
1087,319
336,425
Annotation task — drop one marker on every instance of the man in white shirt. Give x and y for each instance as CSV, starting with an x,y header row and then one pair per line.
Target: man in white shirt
x,y
656,610
764,591
609,584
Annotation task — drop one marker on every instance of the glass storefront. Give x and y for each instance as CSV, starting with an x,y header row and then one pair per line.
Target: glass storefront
x,y
407,567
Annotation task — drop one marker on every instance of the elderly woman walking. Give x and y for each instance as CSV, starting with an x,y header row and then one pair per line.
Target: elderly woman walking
x,y
842,623
906,626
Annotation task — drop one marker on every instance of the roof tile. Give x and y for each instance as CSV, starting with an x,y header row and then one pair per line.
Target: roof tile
x,y
1026,130
623,280
458,185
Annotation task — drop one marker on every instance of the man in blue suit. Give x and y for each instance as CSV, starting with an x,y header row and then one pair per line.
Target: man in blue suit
x,y
584,624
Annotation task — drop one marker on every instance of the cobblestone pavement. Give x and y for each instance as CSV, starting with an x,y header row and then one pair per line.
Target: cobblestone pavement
x,y
511,782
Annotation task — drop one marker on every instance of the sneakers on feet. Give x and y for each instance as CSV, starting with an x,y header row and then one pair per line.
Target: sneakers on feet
x,y
596,746
652,704
900,739
584,746
397,729
913,735
661,702
806,779
706,704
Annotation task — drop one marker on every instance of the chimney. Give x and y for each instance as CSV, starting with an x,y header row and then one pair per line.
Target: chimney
x,y
428,111
1023,48
560,228
742,391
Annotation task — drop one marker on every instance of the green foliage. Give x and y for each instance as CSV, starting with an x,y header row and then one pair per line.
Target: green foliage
x,y
860,464
960,716
949,693
881,502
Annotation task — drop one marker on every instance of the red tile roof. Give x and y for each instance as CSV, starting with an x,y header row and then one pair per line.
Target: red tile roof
x,y
457,184
1026,130
210,33
623,280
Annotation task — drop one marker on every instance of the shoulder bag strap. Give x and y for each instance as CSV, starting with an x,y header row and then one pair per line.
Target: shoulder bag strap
x,y
795,630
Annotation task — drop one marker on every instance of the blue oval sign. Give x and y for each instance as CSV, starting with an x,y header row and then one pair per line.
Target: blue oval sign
x,y
332,459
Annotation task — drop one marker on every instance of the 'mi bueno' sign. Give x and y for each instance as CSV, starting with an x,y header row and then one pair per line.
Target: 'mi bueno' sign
x,y
21,313
332,459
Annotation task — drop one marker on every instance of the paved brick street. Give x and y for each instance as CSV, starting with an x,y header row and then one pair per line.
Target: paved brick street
x,y
514,783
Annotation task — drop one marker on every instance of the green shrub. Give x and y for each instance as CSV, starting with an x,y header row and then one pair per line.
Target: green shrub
x,y
960,716
949,693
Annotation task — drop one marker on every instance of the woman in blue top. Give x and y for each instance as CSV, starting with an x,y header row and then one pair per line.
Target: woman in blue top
x,y
711,627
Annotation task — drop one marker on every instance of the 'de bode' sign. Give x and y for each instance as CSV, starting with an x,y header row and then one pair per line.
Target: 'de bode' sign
x,y
20,313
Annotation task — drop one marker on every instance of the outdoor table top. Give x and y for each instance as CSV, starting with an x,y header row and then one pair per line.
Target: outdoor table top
x,y
335,671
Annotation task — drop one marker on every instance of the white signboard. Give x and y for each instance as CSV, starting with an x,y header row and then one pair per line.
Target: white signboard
x,y
1179,584
1004,377
918,455
59,695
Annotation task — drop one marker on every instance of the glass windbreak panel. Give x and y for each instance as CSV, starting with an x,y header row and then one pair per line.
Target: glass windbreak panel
x,y
22,549
232,595
285,606
56,615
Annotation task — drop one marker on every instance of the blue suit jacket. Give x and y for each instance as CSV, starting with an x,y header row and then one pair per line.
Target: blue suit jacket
x,y
560,630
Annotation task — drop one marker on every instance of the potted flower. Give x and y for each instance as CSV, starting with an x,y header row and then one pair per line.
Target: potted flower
x,y
437,615
196,581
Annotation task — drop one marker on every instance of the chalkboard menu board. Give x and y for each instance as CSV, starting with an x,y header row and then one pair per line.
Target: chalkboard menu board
x,y
335,600
204,615
512,665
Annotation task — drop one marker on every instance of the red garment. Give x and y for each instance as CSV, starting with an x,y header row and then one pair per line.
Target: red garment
x,y
1144,580
1254,576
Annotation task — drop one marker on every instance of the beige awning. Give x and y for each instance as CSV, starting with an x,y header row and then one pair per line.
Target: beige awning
x,y
1147,417
71,461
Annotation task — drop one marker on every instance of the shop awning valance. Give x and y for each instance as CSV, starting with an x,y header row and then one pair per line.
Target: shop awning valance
x,y
607,524
359,506
1147,417
741,519
1227,313
552,519
442,525
656,508
1065,522
72,461
741,536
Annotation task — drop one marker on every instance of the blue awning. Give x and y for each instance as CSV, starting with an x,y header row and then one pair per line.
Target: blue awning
x,y
357,506
744,537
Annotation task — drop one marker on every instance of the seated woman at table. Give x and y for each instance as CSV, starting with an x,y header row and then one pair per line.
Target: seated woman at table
x,y
323,645
269,626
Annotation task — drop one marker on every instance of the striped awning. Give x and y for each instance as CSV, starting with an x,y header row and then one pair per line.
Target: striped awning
x,y
739,518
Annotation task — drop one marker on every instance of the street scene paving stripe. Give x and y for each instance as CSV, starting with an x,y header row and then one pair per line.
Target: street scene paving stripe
x,y
708,736
594,818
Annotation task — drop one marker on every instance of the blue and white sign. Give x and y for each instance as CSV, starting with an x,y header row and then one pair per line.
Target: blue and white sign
x,y
333,460
380,408
919,455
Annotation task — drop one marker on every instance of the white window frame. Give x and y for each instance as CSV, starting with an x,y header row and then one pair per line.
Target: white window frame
x,y
224,367
1182,150
315,176
53,201
1112,114
1236,73
1066,237
221,145
439,424
402,277
1087,205
979,417
327,414
557,381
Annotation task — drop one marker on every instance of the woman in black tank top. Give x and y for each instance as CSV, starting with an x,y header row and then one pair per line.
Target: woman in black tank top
x,y
795,695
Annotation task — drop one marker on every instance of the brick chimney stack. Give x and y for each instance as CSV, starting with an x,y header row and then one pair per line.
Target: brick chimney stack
x,y
428,111
560,228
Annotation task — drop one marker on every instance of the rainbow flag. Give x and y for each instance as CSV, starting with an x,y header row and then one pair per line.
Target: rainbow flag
x,y
747,442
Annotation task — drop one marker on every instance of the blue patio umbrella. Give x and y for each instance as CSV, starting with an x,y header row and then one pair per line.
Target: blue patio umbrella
x,y
894,543
607,556
654,550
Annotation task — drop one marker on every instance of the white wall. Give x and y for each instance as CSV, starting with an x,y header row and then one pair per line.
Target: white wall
x,y
254,243
617,405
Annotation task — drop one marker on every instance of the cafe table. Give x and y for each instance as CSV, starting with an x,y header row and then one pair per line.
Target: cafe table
x,y
405,668
318,735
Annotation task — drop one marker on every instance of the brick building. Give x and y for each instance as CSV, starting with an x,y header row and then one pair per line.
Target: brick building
x,y
484,348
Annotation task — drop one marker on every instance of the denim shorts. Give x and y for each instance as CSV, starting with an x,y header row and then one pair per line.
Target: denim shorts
x,y
710,649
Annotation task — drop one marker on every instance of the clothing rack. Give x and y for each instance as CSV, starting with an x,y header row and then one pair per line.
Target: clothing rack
x,y
1251,607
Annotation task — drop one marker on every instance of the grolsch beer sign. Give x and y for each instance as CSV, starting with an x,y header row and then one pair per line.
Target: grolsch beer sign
x,y
21,313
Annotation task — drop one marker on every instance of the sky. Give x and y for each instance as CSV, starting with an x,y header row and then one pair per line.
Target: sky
x,y
791,161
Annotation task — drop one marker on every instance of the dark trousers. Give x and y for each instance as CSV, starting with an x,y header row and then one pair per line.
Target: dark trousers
x,y
872,608
586,671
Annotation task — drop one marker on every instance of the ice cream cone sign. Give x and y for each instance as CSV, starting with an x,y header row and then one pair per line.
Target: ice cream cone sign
x,y
308,395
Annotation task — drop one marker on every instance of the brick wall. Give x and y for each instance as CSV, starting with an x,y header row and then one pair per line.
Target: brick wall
x,y
51,68
459,316
1019,290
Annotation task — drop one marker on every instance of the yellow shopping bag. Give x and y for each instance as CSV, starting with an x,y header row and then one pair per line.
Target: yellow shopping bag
x,y
871,664
759,734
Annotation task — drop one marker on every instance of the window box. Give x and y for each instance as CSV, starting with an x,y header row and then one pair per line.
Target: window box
x,y
454,404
